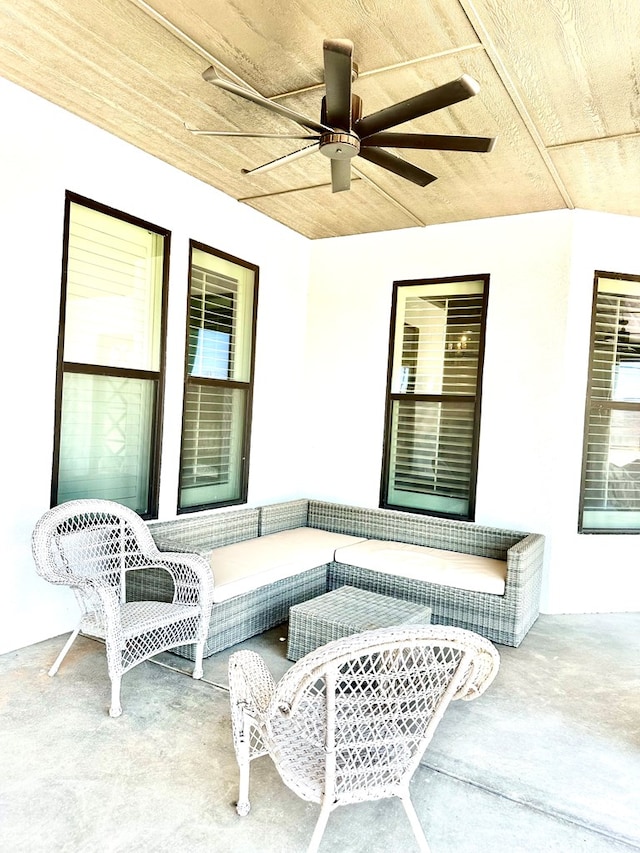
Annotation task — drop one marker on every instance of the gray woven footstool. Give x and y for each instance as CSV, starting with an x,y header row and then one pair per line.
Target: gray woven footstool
x,y
345,611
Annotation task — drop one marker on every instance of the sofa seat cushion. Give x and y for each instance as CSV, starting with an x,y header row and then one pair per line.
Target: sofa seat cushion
x,y
247,565
419,562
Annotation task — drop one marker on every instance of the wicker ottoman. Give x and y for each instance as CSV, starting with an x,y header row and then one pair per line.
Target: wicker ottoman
x,y
345,611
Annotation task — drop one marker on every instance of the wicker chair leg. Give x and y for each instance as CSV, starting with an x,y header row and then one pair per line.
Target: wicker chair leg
x,y
116,708
244,763
64,651
198,670
320,827
416,826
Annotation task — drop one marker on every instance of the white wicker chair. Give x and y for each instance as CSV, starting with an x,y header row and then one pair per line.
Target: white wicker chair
x,y
350,721
90,546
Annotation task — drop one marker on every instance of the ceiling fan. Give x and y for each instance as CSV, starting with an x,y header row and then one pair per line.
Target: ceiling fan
x,y
343,133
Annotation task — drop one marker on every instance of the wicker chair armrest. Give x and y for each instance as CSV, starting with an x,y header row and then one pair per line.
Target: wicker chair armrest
x,y
191,574
482,670
251,685
109,595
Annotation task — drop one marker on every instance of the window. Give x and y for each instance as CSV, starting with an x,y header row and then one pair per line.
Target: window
x,y
218,382
111,358
433,399
610,493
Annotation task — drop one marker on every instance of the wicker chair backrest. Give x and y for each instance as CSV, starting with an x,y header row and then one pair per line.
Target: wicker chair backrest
x,y
372,709
81,540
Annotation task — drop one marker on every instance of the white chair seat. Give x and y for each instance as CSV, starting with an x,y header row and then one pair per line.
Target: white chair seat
x,y
141,616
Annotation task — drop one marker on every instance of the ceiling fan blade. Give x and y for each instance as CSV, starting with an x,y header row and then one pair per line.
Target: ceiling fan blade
x,y
430,141
233,133
340,175
338,71
280,161
428,102
212,76
397,166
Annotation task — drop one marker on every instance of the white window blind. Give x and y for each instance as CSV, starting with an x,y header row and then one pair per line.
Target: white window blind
x,y
218,380
113,292
432,408
610,497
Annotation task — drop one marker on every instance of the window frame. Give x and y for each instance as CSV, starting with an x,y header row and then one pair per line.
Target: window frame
x,y
248,386
612,405
62,367
392,398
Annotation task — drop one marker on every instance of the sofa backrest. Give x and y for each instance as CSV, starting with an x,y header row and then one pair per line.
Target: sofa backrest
x,y
463,536
202,532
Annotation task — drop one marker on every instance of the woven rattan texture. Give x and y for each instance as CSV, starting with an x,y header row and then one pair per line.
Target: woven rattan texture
x,y
351,721
462,536
346,611
288,515
95,547
202,533
246,615
503,619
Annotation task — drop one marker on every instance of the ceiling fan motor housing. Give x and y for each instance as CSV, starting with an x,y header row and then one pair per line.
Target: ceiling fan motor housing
x,y
341,143
339,146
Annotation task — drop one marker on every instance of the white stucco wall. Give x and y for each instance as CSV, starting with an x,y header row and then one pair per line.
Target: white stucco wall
x,y
541,278
45,151
321,352
589,572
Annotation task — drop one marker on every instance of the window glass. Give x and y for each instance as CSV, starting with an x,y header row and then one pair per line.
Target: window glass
x,y
219,365
610,495
105,436
113,292
214,424
111,346
433,407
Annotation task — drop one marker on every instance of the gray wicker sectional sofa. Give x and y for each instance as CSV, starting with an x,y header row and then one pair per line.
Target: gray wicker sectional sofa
x,y
266,559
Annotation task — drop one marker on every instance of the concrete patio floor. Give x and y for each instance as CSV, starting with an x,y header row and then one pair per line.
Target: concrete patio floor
x,y
547,761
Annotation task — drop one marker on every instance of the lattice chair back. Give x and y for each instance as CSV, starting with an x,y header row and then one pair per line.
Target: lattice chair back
x,y
351,721
91,546
76,543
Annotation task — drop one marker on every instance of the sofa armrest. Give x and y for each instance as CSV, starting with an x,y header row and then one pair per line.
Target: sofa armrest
x,y
525,560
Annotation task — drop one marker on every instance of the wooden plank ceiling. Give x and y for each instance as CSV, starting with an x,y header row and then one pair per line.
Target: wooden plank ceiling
x,y
560,89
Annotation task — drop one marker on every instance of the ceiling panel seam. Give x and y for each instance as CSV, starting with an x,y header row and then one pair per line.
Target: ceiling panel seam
x,y
189,42
495,59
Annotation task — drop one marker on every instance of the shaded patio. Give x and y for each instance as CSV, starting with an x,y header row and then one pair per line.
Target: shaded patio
x,y
546,761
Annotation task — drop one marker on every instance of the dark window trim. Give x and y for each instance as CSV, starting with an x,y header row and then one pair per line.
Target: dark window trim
x,y
611,531
226,383
102,370
391,398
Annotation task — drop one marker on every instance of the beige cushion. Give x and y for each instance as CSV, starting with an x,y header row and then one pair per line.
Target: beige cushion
x,y
244,566
418,562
